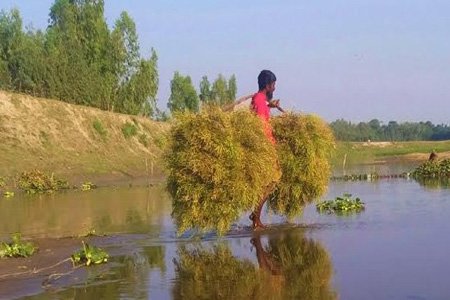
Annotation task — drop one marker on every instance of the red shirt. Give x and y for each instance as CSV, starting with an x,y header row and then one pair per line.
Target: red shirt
x,y
260,107
262,110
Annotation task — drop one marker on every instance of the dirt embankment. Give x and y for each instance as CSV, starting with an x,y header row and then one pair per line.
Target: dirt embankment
x,y
76,142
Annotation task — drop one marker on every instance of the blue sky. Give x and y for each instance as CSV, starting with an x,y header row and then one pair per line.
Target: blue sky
x,y
353,59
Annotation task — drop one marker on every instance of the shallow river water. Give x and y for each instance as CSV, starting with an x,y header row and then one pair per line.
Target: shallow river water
x,y
398,248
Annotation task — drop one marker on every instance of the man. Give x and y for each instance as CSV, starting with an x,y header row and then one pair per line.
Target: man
x,y
261,104
262,100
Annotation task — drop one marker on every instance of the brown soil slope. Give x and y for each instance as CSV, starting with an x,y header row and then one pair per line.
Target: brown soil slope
x,y
76,141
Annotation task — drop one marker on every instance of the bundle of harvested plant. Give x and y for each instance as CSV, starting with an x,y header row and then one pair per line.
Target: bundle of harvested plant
x,y
219,164
304,145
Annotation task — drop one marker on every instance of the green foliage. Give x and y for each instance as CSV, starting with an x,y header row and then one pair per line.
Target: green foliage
x,y
98,126
374,130
304,146
205,91
219,165
16,248
341,205
38,182
433,169
78,59
129,130
220,93
182,94
87,186
89,255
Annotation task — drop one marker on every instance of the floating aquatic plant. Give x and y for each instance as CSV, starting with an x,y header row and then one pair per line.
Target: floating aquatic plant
x,y
341,205
17,248
89,255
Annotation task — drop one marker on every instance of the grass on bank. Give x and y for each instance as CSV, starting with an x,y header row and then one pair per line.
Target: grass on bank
x,y
358,152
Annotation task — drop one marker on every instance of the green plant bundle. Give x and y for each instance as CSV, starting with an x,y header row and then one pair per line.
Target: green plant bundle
x,y
16,248
341,205
89,255
304,146
219,166
433,169
38,182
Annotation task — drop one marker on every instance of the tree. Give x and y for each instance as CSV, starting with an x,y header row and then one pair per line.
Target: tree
x,y
183,96
205,91
232,88
219,91
78,59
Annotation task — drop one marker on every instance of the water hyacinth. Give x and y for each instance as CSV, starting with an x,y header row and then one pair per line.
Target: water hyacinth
x,y
219,165
304,146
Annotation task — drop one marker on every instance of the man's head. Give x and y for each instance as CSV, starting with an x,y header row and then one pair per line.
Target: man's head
x,y
266,82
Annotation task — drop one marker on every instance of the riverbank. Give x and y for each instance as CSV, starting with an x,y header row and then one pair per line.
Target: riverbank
x,y
76,143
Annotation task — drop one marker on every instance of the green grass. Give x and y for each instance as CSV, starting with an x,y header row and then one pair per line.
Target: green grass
x,y
361,152
98,126
129,130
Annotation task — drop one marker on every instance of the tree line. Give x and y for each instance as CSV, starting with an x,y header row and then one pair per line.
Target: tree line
x,y
78,59
375,130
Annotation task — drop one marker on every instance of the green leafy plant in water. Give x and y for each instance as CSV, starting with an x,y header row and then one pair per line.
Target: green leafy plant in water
x,y
8,194
86,186
17,248
129,130
89,255
341,205
39,182
433,169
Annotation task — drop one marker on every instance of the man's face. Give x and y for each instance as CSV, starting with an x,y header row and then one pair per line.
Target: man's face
x,y
270,88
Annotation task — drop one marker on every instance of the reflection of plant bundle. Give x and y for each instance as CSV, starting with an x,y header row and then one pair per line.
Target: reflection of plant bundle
x,y
214,274
304,264
304,144
289,267
219,165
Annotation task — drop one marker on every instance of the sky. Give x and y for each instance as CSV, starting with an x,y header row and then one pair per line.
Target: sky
x,y
351,59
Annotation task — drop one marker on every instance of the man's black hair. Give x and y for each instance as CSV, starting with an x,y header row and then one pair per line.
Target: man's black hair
x,y
264,78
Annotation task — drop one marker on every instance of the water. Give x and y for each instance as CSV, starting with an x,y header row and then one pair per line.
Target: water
x,y
396,249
